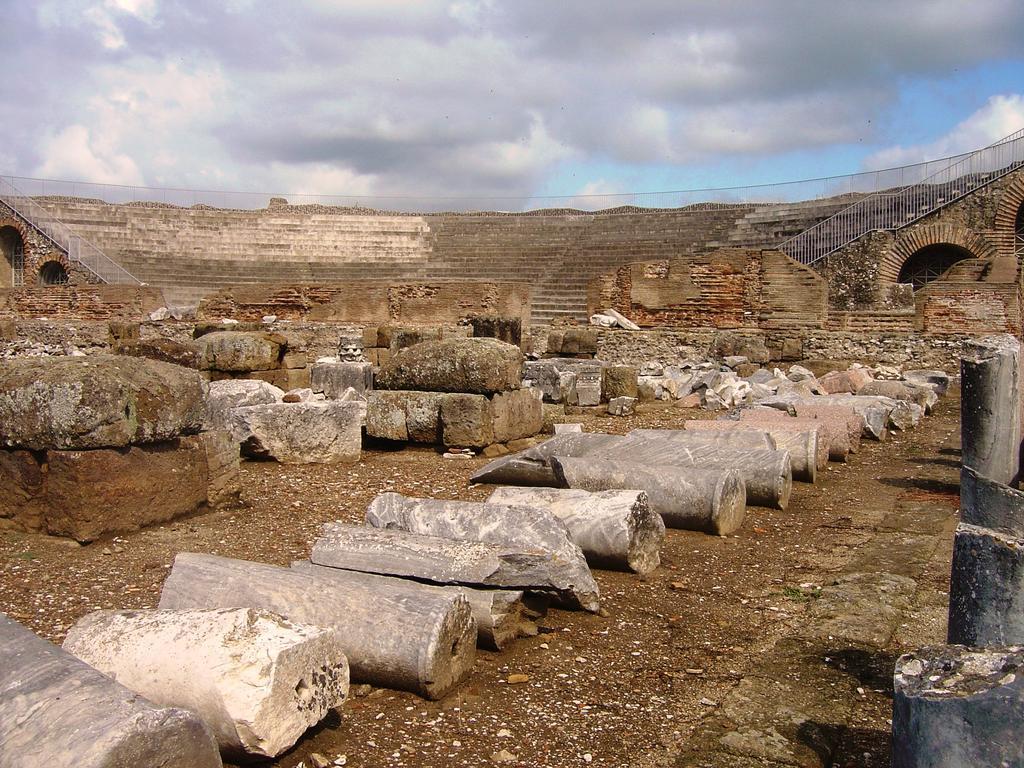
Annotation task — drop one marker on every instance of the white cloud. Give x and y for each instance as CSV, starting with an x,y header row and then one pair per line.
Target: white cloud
x,y
75,154
438,97
1001,116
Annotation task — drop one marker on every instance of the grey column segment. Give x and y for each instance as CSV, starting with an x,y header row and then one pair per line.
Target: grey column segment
x,y
395,552
57,710
955,707
400,636
614,528
838,414
258,680
766,475
502,524
990,420
501,615
737,439
989,504
696,499
986,588
802,445
532,468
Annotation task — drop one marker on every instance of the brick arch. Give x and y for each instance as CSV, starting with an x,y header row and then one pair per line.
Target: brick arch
x,y
21,227
26,245
911,241
54,257
1010,202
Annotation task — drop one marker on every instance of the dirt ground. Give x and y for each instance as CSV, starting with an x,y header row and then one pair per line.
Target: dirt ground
x,y
629,689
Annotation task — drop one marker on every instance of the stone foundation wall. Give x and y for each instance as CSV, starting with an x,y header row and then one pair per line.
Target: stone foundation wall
x,y
371,302
908,348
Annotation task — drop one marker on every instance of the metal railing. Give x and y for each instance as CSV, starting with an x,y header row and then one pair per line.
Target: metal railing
x,y
896,208
856,184
78,249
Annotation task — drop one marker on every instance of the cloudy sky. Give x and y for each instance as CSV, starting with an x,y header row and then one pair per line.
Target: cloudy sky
x,y
499,97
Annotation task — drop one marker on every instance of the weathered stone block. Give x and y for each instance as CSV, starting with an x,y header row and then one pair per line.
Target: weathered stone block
x,y
507,329
240,351
22,504
123,331
283,378
750,346
233,393
89,493
619,381
587,386
223,482
792,349
517,414
467,421
334,378
403,415
96,402
165,350
299,433
473,366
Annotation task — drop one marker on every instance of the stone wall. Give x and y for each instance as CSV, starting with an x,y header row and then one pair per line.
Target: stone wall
x,y
368,302
908,349
727,288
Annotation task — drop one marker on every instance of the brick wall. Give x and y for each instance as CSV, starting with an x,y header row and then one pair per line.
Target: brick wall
x,y
728,288
81,302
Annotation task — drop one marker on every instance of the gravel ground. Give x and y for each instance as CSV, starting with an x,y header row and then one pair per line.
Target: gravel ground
x,y
625,689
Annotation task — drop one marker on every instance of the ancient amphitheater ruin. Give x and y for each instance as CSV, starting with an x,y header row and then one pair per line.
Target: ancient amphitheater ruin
x,y
722,482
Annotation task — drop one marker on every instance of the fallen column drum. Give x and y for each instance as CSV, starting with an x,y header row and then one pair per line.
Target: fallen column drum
x,y
614,528
57,710
399,636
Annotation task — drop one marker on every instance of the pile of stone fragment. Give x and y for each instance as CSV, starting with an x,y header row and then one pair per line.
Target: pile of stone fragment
x,y
962,704
702,476
241,657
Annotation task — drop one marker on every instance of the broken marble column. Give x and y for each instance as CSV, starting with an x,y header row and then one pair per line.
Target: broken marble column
x,y
615,528
751,438
399,636
986,588
989,504
395,552
839,415
830,437
801,444
874,410
712,501
990,421
258,680
506,525
531,467
56,710
501,615
955,707
332,377
767,475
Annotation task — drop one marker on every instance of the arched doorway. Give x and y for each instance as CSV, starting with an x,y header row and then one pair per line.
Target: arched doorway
x,y
12,265
53,273
1018,233
931,262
